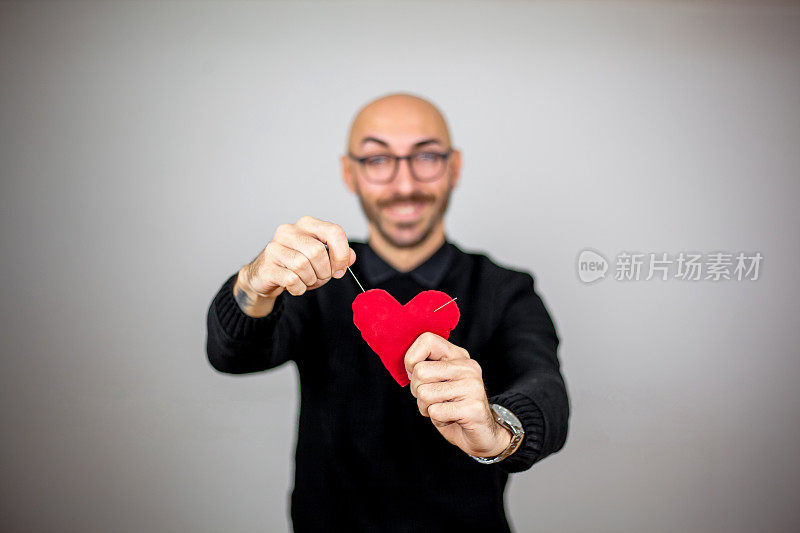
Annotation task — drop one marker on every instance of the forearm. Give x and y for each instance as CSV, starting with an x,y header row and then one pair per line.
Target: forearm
x,y
542,406
526,374
238,343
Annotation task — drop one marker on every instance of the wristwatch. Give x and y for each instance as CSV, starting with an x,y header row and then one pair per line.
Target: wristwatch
x,y
505,418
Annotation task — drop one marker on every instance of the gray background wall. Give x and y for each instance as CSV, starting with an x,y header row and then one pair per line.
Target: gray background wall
x,y
148,150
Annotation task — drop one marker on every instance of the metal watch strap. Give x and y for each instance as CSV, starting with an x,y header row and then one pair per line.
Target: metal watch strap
x,y
505,418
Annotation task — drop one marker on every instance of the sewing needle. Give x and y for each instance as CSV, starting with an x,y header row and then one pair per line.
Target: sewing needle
x,y
354,276
453,300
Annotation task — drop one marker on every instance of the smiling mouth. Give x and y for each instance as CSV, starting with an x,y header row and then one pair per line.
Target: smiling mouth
x,y
405,211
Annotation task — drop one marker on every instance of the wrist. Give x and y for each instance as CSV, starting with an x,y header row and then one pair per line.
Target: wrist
x,y
504,436
511,426
249,301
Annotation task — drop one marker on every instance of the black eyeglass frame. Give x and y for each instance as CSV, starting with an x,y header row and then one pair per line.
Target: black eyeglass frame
x,y
396,158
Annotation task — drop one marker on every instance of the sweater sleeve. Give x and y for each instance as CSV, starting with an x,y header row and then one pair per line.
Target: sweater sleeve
x,y
237,343
527,378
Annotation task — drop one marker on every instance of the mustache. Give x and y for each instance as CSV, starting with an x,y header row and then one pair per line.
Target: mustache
x,y
416,197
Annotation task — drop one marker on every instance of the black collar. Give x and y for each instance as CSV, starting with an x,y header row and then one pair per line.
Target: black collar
x,y
428,274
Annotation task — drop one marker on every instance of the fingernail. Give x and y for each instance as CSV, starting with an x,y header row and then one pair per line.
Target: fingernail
x,y
338,274
409,374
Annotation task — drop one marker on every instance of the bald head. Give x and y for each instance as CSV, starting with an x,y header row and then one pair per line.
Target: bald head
x,y
405,119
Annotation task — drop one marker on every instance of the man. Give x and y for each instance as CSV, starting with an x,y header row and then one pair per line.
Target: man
x,y
371,455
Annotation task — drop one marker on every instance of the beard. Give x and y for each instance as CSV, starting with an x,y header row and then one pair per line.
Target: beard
x,y
372,212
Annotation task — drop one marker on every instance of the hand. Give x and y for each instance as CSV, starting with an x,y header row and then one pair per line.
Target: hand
x,y
449,388
295,260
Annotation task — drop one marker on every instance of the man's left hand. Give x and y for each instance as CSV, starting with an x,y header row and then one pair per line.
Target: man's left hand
x,y
448,386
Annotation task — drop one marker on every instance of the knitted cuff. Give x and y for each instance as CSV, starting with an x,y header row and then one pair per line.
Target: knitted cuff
x,y
237,324
532,420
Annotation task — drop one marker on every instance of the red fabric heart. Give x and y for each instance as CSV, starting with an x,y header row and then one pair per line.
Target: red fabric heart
x,y
390,328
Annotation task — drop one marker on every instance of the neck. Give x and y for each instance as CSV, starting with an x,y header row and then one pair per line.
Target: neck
x,y
406,259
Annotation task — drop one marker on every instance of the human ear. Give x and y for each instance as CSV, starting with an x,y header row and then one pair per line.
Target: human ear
x,y
455,167
347,174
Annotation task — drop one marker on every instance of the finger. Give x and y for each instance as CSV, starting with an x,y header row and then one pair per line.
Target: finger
x,y
290,280
334,236
311,247
292,237
352,256
459,411
438,371
431,346
316,252
443,391
295,261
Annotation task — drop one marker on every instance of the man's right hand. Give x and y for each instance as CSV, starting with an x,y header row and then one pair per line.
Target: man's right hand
x,y
295,260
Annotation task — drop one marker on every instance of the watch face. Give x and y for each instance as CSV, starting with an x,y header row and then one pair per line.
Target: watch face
x,y
506,415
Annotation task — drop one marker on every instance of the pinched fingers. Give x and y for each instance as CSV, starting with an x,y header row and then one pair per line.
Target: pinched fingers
x,y
293,237
430,346
335,237
317,255
292,260
438,371
429,394
468,412
291,281
310,249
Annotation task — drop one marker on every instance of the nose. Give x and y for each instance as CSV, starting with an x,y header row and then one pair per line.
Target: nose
x,y
404,182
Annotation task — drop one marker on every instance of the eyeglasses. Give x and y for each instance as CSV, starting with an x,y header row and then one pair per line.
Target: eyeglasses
x,y
381,169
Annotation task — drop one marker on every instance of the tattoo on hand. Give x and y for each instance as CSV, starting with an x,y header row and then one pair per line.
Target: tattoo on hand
x,y
242,298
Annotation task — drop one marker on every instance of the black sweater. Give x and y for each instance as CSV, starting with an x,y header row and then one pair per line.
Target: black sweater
x,y
366,459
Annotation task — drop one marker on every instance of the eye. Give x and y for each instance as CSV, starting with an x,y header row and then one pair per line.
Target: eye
x,y
376,161
427,157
